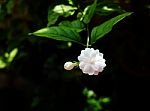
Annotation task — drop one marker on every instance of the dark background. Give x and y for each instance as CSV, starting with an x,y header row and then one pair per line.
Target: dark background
x,y
37,70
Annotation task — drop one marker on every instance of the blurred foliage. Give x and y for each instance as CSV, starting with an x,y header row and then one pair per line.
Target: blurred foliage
x,y
94,104
32,67
35,65
7,58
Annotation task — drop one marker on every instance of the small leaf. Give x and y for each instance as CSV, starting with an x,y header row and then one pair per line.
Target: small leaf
x,y
101,30
12,54
70,2
89,12
59,33
75,25
64,10
52,17
59,10
2,63
106,8
105,100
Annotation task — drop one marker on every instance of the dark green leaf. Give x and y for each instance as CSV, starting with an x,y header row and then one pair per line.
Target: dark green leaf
x,y
105,8
75,25
65,23
89,13
99,31
10,5
59,33
52,17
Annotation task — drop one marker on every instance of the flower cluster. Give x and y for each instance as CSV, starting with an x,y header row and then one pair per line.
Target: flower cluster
x,y
90,62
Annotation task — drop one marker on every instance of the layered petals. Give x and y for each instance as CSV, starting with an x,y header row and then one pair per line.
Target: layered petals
x,y
91,61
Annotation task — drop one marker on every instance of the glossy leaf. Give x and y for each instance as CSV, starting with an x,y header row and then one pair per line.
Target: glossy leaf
x,y
59,33
101,30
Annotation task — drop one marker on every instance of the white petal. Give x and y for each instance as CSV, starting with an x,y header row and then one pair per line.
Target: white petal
x,y
96,73
82,58
82,65
88,70
91,61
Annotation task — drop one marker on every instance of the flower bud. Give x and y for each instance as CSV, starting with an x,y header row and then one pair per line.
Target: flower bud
x,y
69,65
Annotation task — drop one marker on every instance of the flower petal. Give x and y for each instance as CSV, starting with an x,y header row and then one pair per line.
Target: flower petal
x,y
91,61
88,69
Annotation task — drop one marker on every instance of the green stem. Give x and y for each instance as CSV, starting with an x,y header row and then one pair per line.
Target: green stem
x,y
88,37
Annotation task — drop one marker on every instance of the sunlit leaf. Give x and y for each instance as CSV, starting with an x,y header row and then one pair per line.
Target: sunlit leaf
x,y
106,8
2,63
12,54
9,57
105,100
65,10
59,33
70,2
101,30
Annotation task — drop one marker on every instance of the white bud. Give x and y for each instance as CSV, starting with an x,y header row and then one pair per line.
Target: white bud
x,y
69,65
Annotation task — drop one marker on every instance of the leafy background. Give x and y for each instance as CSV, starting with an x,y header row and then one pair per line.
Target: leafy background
x,y
36,81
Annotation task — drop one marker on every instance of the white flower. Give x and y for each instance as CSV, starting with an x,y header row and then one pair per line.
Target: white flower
x,y
69,65
91,61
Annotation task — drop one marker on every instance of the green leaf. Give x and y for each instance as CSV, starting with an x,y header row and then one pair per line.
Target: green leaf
x,y
105,100
75,25
2,63
9,58
59,10
52,17
12,55
101,30
105,8
10,5
59,33
64,10
70,2
89,12
93,102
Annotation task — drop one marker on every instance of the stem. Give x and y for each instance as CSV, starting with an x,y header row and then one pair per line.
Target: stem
x,y
87,44
88,37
